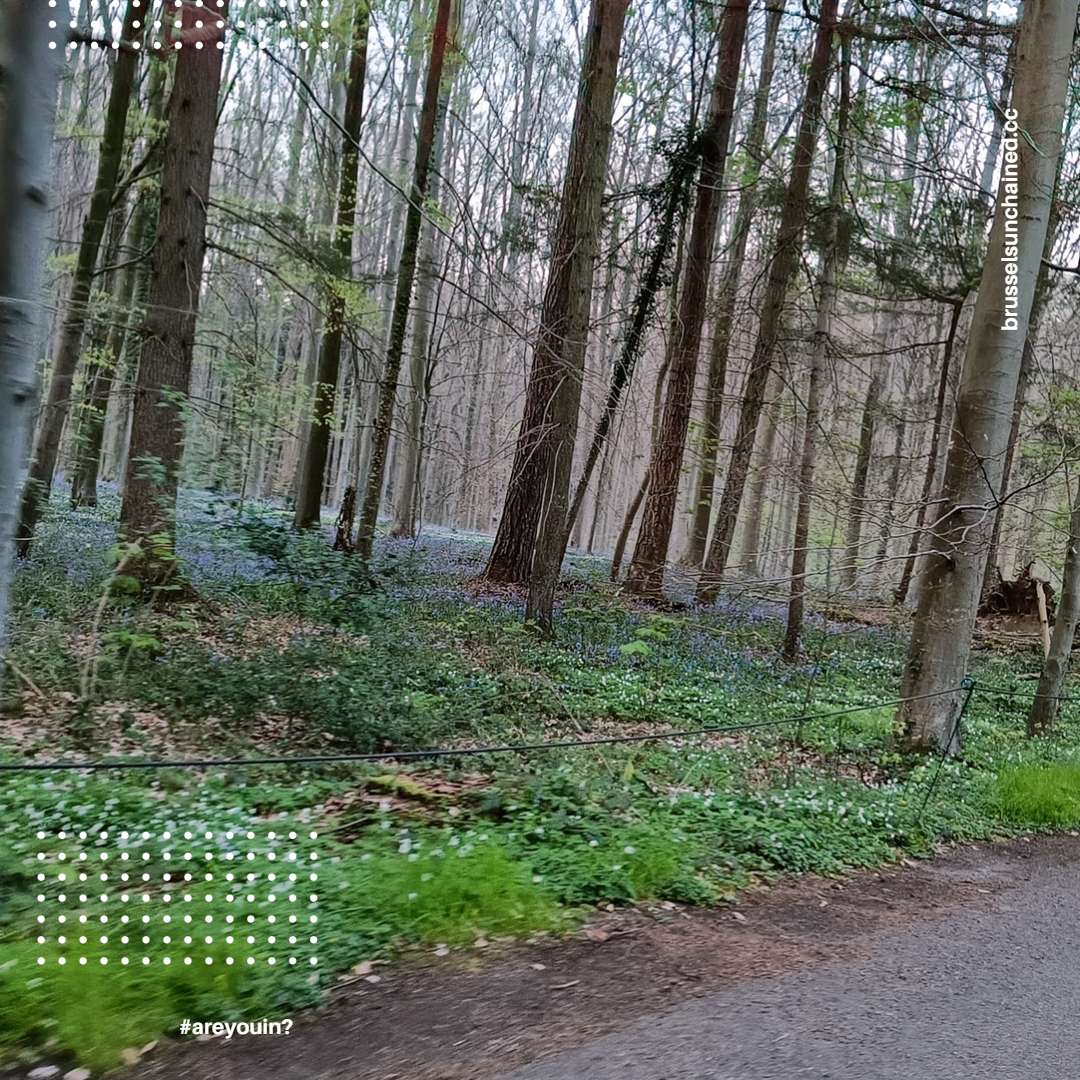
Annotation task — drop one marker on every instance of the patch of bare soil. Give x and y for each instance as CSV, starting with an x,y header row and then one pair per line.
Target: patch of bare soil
x,y
472,1015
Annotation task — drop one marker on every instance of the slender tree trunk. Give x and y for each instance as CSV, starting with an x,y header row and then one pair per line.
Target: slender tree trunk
x,y
901,590
723,323
758,476
646,574
110,157
399,319
559,358
1044,708
784,261
29,71
952,570
832,258
310,479
405,501
147,514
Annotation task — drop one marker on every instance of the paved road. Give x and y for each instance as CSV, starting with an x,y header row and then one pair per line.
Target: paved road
x,y
993,993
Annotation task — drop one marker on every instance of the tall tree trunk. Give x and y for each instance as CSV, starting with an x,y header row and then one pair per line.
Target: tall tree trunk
x,y
1040,719
29,71
148,511
130,299
784,261
1043,289
406,273
559,358
646,574
723,322
901,590
311,473
831,260
110,157
952,570
406,498
554,386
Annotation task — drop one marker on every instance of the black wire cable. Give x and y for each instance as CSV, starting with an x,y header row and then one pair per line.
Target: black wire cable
x,y
403,755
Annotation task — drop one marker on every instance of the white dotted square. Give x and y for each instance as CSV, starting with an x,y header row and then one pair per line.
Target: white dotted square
x,y
250,896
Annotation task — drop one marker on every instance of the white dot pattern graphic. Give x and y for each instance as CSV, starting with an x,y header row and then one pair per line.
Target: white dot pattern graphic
x,y
279,885
307,24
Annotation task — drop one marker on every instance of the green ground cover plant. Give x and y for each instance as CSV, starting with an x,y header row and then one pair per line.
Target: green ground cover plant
x,y
291,651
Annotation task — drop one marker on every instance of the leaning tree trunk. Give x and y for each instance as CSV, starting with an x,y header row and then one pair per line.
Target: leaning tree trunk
x,y
1040,720
951,571
560,348
646,574
148,511
312,468
676,187
110,157
724,320
831,260
784,261
29,71
559,358
406,274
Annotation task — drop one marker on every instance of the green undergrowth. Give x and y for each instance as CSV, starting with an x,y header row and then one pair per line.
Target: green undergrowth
x,y
795,772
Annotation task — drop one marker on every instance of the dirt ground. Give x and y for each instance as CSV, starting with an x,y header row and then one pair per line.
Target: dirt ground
x,y
477,1013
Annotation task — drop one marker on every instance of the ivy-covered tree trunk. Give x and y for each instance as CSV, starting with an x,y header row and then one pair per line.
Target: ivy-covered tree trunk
x,y
57,405
147,514
29,71
313,466
951,571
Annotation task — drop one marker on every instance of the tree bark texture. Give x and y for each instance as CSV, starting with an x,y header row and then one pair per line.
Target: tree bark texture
x,y
554,385
831,259
723,322
1040,719
646,574
781,270
58,402
559,358
148,510
430,117
29,71
310,477
952,570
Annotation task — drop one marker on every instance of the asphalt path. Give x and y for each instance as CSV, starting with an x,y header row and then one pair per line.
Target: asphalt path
x,y
990,993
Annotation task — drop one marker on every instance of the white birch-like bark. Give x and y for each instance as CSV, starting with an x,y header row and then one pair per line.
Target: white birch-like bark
x,y
29,71
951,571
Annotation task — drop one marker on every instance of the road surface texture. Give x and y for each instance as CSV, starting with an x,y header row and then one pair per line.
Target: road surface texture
x,y
967,965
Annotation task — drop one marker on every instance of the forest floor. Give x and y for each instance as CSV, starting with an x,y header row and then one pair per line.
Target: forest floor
x,y
623,804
